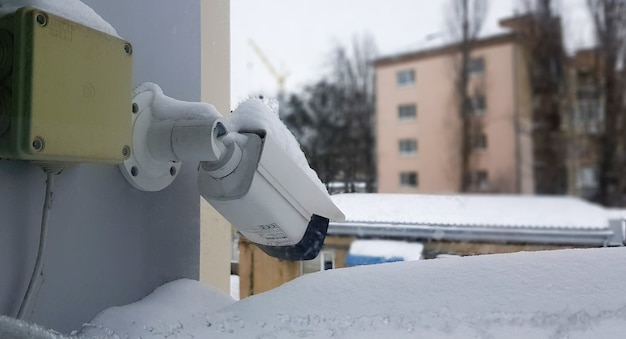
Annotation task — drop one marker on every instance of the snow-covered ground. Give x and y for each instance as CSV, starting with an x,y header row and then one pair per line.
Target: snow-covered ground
x,y
556,294
175,309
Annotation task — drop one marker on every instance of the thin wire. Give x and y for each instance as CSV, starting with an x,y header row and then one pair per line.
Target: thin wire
x,y
37,276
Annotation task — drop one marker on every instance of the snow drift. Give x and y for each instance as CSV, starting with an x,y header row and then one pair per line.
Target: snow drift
x,y
569,293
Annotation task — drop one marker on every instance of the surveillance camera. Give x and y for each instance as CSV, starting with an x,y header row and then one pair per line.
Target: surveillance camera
x,y
245,174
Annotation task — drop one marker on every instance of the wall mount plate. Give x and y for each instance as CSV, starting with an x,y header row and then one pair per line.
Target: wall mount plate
x,y
142,170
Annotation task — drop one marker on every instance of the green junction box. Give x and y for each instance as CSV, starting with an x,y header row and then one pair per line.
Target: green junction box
x,y
65,91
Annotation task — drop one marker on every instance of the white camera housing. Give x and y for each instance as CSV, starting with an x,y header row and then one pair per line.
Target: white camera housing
x,y
245,175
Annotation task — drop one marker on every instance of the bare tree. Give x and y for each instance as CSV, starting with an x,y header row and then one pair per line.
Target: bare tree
x,y
609,18
334,118
540,35
353,74
464,24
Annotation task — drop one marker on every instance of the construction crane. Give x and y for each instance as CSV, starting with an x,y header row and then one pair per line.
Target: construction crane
x,y
280,77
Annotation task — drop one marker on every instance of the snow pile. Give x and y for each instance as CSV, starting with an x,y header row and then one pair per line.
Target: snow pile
x,y
172,310
472,210
556,294
13,328
253,115
574,293
74,10
387,249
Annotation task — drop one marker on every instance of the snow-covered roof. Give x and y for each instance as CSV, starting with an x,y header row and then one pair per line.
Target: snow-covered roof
x,y
560,294
472,210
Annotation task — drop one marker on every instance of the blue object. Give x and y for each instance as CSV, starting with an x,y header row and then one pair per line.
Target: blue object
x,y
358,260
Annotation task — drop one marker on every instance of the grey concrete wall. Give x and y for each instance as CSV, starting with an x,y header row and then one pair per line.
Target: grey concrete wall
x,y
166,41
108,244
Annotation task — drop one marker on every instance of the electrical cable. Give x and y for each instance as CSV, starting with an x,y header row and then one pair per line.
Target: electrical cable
x,y
37,276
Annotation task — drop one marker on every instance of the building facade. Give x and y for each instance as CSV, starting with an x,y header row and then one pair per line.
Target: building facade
x,y
585,125
418,126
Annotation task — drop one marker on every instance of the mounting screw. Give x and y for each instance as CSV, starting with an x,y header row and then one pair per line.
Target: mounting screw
x,y
126,151
134,171
128,48
41,19
135,108
172,171
38,144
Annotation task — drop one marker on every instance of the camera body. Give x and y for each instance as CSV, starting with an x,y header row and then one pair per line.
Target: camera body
x,y
273,203
244,174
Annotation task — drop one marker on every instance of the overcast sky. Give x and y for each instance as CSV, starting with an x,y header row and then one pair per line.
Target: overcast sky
x,y
297,36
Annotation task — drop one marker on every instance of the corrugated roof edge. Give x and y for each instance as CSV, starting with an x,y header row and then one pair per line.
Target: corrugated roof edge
x,y
474,225
534,235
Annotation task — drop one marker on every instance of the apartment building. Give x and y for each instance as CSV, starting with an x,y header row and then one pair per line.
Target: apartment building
x,y
418,138
585,125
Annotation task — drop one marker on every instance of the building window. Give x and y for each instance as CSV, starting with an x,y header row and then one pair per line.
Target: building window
x,y
589,115
327,261
589,110
480,180
407,147
587,178
409,179
477,104
405,77
476,67
478,142
324,261
407,112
